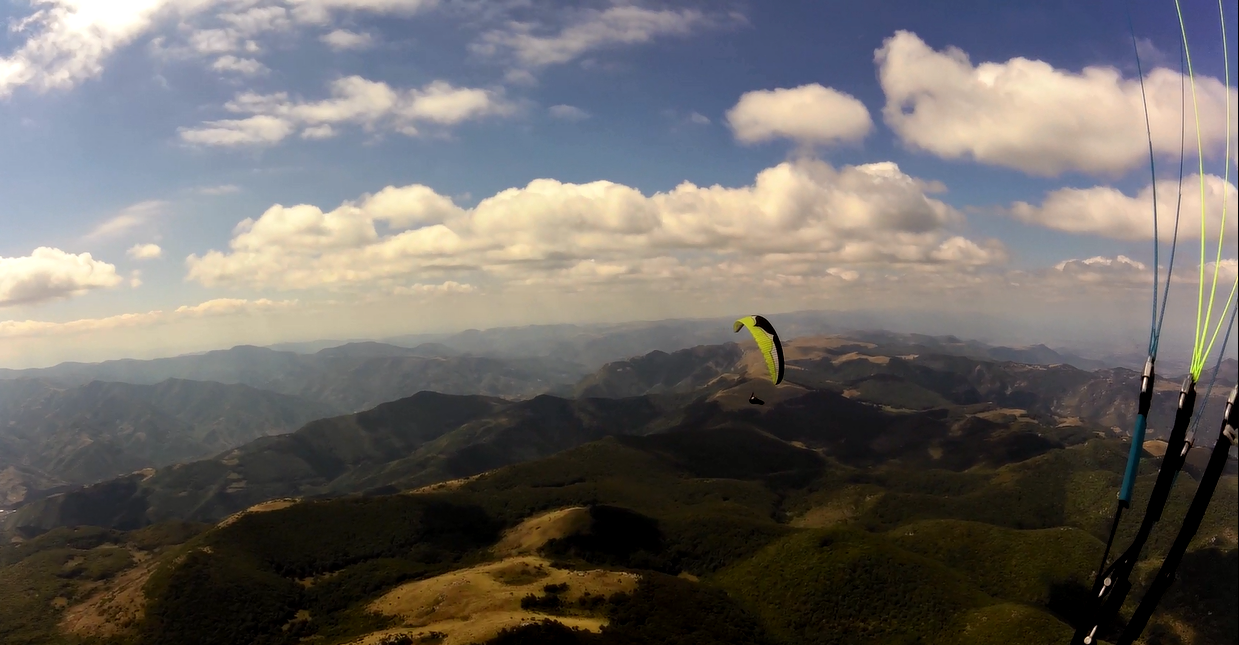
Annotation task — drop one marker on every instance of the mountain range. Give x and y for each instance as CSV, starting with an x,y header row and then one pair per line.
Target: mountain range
x,y
860,402
84,431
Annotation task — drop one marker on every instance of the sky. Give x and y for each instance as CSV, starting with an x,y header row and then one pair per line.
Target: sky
x,y
184,175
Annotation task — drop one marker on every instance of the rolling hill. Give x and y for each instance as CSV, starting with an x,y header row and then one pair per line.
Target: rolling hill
x,y
707,522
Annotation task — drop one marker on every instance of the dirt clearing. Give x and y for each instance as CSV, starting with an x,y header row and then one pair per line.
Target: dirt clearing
x,y
475,604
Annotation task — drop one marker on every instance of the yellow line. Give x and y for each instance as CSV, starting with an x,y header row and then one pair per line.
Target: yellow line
x,y
1200,155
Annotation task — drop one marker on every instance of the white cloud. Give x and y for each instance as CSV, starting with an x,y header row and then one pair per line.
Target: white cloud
x,y
535,45
222,189
230,306
1227,272
215,41
343,39
1150,55
233,31
242,66
61,43
319,11
354,100
809,114
65,42
568,112
324,131
520,77
451,286
144,252
440,102
699,118
217,307
1106,211
856,215
51,274
1027,115
135,278
257,20
255,130
1105,279
128,219
1104,269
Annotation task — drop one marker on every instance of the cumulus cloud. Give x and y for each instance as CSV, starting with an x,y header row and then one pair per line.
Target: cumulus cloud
x,y
51,274
699,118
535,45
1104,269
1108,212
568,112
343,40
809,114
217,307
841,218
354,100
145,252
1027,115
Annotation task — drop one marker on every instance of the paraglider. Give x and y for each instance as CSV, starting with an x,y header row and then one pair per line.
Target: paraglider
x,y
768,342
754,400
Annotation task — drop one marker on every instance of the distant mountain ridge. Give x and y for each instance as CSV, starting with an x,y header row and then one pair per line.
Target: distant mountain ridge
x,y
54,435
351,377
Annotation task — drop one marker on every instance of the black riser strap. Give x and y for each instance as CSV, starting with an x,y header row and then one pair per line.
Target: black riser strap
x,y
1191,524
1106,605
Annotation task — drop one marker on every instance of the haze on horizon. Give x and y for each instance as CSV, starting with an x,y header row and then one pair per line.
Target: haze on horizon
x,y
177,176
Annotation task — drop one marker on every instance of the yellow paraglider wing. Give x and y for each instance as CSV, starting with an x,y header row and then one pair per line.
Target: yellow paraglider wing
x,y
767,341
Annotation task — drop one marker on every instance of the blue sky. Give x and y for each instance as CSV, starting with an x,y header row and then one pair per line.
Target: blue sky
x,y
146,139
